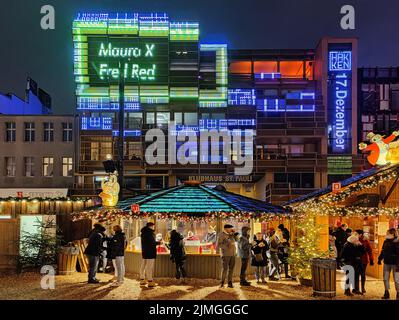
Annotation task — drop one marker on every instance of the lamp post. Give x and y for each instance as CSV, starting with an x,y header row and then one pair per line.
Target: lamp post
x,y
121,135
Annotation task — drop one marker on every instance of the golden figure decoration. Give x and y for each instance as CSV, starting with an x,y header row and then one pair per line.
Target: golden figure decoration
x,y
111,188
382,150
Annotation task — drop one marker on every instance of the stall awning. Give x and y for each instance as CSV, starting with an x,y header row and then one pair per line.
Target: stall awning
x,y
198,199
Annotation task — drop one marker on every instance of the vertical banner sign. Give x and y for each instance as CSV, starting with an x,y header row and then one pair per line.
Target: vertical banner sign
x,y
339,99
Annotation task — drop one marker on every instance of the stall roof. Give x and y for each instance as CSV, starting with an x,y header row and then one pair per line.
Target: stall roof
x,y
355,179
197,199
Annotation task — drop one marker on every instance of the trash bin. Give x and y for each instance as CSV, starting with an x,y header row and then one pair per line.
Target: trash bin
x,y
324,277
67,259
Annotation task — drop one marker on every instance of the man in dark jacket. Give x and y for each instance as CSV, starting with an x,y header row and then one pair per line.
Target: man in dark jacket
x,y
340,239
149,254
93,251
390,255
244,252
118,246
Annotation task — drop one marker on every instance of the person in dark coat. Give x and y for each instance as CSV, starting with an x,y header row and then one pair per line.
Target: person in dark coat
x,y
93,251
244,252
149,254
117,252
285,232
178,254
284,249
351,255
390,255
367,257
259,257
340,240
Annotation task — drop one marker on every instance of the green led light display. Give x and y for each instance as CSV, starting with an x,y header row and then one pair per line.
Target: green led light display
x,y
158,60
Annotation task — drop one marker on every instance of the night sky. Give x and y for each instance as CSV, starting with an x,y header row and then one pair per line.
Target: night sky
x,y
47,56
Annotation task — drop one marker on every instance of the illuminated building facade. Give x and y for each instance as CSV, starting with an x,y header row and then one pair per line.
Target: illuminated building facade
x,y
378,101
301,104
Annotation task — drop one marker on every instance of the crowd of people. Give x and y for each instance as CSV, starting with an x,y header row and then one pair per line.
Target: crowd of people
x,y
267,254
352,248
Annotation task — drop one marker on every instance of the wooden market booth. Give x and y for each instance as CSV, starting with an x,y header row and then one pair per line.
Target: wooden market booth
x,y
367,201
196,211
19,215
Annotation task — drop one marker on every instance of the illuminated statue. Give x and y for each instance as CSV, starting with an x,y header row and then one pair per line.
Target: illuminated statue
x,y
111,188
382,151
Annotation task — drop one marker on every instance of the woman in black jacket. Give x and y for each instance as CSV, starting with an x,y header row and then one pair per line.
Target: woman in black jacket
x,y
390,255
117,252
259,257
351,254
178,254
149,254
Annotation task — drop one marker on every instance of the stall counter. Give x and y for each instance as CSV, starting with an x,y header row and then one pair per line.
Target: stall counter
x,y
201,266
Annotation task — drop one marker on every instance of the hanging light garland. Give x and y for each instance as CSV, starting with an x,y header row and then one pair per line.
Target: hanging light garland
x,y
115,214
329,204
43,199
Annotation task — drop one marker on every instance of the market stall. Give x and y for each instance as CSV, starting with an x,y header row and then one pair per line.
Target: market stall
x,y
20,216
368,201
198,213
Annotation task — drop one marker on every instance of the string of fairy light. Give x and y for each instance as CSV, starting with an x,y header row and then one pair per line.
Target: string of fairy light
x,y
330,203
114,214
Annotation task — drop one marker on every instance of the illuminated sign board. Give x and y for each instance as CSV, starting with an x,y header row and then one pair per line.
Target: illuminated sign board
x,y
137,60
340,99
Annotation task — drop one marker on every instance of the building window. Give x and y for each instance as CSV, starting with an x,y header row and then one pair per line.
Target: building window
x,y
48,166
178,118
29,161
11,132
191,119
29,132
10,166
48,134
67,132
150,118
67,167
163,119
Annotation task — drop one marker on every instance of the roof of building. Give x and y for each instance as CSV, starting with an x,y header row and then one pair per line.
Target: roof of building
x,y
198,199
352,180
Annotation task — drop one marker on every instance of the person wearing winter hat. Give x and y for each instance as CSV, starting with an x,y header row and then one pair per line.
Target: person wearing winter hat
x,y
351,255
226,243
390,255
244,252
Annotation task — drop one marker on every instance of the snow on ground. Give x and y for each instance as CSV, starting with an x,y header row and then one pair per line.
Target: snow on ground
x,y
74,287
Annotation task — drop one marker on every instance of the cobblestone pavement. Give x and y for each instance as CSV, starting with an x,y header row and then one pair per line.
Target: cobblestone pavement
x,y
27,286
